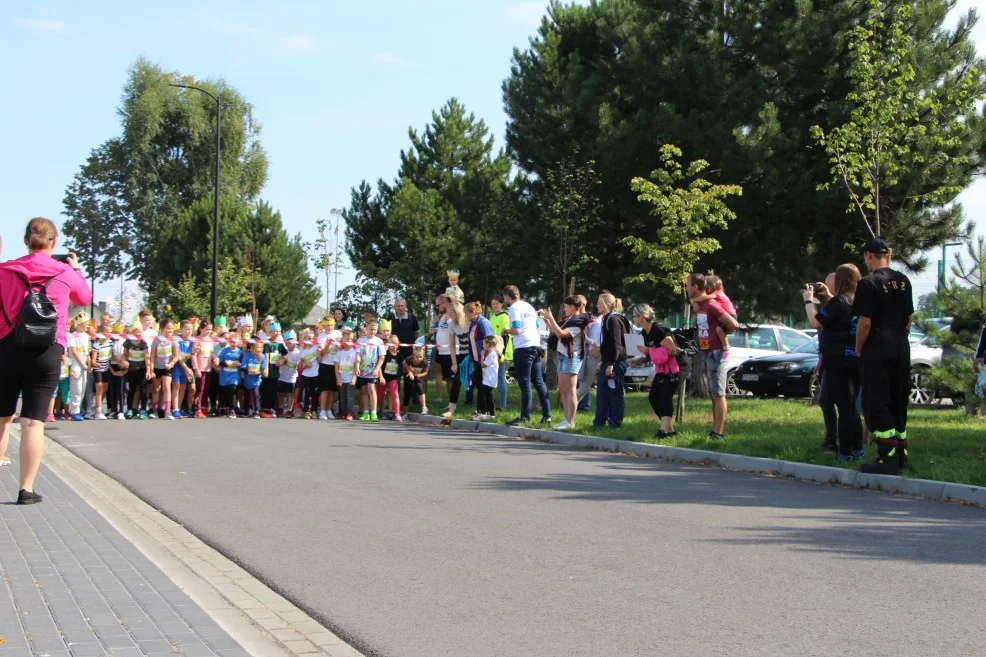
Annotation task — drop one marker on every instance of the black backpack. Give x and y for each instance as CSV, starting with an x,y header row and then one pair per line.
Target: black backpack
x,y
37,325
684,340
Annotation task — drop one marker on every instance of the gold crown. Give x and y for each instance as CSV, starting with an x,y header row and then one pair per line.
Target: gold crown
x,y
453,272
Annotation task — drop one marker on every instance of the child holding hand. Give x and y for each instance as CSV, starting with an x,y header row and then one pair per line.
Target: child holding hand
x,y
415,373
492,359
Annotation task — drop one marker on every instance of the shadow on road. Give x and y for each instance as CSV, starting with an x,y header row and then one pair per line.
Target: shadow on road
x,y
851,522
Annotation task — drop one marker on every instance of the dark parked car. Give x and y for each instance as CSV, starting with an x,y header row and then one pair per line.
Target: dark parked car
x,y
791,374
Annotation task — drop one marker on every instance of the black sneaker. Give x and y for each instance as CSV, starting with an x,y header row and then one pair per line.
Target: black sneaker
x,y
716,436
28,497
516,422
546,420
830,445
661,435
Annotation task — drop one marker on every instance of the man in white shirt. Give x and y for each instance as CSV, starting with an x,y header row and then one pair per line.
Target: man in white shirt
x,y
527,355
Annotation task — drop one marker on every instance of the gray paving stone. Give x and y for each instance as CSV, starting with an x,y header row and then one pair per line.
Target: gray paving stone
x,y
75,587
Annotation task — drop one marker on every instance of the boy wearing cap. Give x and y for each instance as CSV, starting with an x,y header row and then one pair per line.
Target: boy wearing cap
x,y
884,303
274,350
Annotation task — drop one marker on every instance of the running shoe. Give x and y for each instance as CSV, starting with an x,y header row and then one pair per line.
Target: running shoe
x,y
50,418
232,415
77,417
199,415
372,417
121,416
329,415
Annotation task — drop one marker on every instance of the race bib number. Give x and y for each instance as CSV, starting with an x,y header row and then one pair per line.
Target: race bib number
x,y
104,352
391,367
232,368
253,368
136,355
346,368
164,349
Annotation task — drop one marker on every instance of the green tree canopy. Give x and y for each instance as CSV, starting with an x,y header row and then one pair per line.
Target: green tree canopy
x,y
164,159
738,84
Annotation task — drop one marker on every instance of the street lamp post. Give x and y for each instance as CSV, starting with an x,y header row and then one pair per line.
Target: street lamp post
x,y
335,212
941,264
215,213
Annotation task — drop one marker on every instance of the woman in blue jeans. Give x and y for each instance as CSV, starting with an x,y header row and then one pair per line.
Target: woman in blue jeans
x,y
610,405
568,340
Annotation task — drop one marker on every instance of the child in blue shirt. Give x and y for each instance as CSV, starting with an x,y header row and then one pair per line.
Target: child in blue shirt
x,y
254,366
228,362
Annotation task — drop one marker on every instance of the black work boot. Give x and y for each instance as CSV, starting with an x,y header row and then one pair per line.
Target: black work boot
x,y
902,452
886,458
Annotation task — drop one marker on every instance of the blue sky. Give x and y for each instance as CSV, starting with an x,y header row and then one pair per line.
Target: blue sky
x,y
335,86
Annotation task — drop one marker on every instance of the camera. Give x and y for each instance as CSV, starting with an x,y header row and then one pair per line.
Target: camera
x,y
60,257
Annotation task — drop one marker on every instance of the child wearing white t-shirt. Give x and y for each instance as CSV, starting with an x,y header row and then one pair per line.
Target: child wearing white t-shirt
x,y
492,358
288,375
345,373
309,376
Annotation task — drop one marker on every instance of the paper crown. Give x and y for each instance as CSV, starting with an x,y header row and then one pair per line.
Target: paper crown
x,y
274,326
246,320
453,272
385,325
289,335
220,321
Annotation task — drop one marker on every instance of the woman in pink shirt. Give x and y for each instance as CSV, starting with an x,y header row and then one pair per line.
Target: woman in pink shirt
x,y
32,371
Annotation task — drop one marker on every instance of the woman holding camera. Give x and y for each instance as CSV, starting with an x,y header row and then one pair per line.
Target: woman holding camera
x,y
841,371
31,353
568,339
658,348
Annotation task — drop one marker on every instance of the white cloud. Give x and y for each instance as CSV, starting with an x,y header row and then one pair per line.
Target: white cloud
x,y
300,42
528,13
388,59
49,25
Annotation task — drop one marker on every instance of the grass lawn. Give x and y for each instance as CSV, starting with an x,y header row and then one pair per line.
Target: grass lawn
x,y
944,444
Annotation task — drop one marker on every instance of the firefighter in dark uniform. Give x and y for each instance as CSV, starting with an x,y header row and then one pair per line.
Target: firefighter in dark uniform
x,y
884,305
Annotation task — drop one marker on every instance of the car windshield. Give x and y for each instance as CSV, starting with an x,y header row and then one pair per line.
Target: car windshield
x,y
810,347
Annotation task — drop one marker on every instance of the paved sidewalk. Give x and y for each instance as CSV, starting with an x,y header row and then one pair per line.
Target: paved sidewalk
x,y
73,586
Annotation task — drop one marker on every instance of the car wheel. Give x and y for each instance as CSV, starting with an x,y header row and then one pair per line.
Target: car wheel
x,y
813,384
733,390
922,387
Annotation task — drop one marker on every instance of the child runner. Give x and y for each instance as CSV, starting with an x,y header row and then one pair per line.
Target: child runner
x,y
183,378
147,326
164,355
492,360
139,373
59,401
202,366
228,362
288,374
99,359
345,369
392,374
273,349
368,364
254,366
384,333
415,373
79,365
327,369
309,375
118,372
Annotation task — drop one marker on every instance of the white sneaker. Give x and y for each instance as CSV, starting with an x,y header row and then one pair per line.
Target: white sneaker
x,y
169,416
100,416
563,426
321,415
329,415
120,416
424,411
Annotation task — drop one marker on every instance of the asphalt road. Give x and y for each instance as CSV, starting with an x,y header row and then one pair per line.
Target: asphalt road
x,y
421,542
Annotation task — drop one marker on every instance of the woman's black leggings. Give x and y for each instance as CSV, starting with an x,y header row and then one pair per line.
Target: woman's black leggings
x,y
661,396
453,395
843,383
137,380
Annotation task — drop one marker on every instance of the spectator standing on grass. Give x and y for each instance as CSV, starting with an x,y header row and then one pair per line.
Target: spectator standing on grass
x,y
407,329
527,355
822,396
590,364
610,402
479,329
710,316
501,324
884,304
568,339
458,344
658,348
443,354
32,364
841,371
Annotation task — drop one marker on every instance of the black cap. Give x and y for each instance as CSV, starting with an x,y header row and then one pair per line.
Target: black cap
x,y
877,246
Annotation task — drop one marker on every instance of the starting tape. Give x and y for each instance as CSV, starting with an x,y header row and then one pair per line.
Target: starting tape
x,y
238,341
